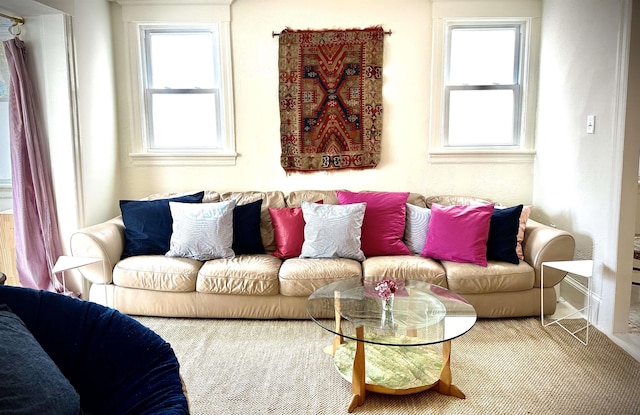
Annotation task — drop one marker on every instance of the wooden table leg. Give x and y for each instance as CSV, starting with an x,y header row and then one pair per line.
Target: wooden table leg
x,y
358,377
445,385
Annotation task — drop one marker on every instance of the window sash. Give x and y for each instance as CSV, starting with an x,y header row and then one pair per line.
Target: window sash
x,y
188,140
515,116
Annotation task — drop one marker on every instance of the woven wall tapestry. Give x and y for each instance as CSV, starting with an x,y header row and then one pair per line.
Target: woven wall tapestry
x,y
330,99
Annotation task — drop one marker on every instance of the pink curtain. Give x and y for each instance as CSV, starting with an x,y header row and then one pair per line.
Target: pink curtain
x,y
37,237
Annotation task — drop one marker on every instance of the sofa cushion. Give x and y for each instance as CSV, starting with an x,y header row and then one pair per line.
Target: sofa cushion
x,y
246,229
503,234
497,276
243,275
407,267
332,231
459,233
203,231
148,224
157,272
384,221
299,277
416,228
30,382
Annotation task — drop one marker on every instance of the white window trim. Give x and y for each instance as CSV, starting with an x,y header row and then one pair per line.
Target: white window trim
x,y
167,13
525,152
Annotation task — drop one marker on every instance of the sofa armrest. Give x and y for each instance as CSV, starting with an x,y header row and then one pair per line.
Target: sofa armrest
x,y
543,243
105,241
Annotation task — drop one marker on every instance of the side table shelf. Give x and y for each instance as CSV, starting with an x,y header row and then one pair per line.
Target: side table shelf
x,y
67,263
583,268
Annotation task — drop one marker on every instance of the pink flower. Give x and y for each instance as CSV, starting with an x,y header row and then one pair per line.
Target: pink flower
x,y
386,288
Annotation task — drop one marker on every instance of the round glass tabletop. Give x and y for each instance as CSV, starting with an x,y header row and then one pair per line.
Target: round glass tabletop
x,y
421,313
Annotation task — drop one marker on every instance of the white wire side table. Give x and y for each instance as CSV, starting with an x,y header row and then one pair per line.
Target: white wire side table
x,y
67,263
583,268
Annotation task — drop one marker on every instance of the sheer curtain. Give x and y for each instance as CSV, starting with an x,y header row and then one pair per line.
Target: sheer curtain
x,y
37,237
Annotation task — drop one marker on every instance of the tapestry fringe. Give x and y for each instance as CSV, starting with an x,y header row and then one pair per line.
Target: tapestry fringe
x,y
289,30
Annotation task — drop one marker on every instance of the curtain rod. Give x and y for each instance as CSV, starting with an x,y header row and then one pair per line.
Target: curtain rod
x,y
274,34
15,20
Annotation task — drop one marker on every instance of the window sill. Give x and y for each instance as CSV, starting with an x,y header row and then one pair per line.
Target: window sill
x,y
184,159
481,156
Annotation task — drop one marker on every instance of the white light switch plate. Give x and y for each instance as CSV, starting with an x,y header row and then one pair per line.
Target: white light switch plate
x,y
591,124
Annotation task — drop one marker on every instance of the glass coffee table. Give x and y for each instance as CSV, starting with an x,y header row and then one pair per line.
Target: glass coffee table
x,y
394,351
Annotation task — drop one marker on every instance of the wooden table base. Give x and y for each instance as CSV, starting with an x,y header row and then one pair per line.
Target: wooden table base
x,y
358,381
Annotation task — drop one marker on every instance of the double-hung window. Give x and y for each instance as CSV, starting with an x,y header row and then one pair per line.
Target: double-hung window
x,y
483,106
185,100
483,86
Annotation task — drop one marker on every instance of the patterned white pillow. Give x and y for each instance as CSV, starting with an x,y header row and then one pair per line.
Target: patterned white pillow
x,y
333,231
202,231
416,227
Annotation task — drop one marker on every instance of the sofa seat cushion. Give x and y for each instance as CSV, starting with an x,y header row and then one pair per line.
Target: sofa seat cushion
x,y
157,272
243,275
495,277
407,267
299,277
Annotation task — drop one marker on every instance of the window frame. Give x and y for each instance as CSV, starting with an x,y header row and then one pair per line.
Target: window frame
x,y
6,186
521,150
149,91
143,152
515,87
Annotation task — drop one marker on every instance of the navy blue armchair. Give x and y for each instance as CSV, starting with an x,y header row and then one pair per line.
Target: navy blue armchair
x,y
115,364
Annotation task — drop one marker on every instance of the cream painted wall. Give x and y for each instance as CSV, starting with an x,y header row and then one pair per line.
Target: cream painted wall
x,y
407,69
578,177
98,168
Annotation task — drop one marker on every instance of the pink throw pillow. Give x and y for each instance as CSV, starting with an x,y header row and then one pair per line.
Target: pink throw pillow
x,y
288,226
459,233
384,221
524,216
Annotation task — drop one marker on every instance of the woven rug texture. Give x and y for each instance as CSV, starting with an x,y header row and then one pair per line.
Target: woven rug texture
x,y
330,92
504,366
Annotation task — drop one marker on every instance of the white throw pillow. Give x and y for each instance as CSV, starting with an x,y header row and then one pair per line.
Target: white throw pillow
x,y
202,231
333,231
416,227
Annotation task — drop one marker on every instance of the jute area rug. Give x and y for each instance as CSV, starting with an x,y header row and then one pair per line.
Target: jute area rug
x,y
505,366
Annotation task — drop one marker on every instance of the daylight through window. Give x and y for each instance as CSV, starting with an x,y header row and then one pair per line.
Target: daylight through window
x,y
483,88
183,89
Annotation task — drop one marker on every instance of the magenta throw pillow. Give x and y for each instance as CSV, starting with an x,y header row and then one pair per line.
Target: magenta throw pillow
x,y
459,233
384,220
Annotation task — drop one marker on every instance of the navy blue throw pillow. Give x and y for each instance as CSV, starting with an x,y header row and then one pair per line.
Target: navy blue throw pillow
x,y
147,224
246,229
503,234
30,382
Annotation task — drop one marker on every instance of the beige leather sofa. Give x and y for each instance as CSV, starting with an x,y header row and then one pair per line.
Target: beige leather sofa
x,y
266,287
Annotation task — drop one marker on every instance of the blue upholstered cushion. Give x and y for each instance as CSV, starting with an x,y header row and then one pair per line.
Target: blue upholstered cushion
x,y
246,229
117,365
503,234
30,382
148,224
